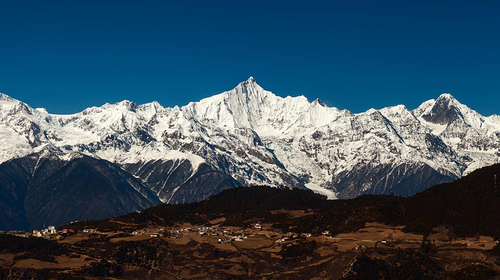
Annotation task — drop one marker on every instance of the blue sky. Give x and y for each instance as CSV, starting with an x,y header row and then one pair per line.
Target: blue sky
x,y
69,55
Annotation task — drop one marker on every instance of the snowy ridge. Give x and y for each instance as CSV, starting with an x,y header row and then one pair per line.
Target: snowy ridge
x,y
258,137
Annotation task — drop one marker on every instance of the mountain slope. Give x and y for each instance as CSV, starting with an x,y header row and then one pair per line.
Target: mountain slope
x,y
181,181
85,188
46,189
54,188
470,205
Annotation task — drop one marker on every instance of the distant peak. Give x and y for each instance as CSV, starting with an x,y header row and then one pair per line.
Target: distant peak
x,y
445,110
319,102
130,105
250,82
155,104
447,100
446,96
248,86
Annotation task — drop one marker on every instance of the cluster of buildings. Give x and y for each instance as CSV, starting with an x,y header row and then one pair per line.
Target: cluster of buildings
x,y
229,234
230,239
48,233
218,231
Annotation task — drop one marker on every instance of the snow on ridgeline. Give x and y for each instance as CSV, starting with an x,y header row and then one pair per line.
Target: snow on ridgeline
x,y
259,137
323,191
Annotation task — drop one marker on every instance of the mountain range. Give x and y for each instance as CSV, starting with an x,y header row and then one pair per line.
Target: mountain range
x,y
117,158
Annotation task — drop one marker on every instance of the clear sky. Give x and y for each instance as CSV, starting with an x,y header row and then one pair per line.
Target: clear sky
x,y
68,55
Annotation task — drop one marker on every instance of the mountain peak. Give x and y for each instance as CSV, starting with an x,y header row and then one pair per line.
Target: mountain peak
x,y
249,83
448,99
446,96
444,111
319,102
129,105
248,88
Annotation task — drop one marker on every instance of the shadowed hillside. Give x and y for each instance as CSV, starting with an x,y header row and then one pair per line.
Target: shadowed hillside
x,y
469,206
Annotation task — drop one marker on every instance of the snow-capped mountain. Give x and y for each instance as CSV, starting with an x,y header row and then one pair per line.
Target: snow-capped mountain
x,y
257,137
475,138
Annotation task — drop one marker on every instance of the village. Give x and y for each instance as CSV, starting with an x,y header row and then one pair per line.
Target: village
x,y
51,232
242,245
260,236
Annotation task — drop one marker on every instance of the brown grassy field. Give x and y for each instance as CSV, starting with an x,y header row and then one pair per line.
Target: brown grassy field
x,y
254,243
137,237
62,262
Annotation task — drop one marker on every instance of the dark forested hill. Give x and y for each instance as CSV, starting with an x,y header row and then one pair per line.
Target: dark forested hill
x,y
469,206
38,190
